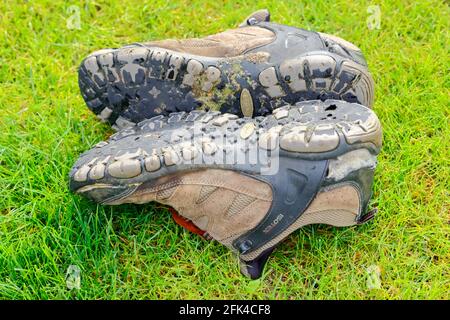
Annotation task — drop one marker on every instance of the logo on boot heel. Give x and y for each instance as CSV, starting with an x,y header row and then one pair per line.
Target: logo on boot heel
x,y
274,223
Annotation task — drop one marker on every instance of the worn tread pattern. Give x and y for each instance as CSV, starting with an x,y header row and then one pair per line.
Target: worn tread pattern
x,y
127,85
157,147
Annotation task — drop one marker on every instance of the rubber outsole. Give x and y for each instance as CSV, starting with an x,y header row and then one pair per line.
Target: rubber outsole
x,y
128,85
189,141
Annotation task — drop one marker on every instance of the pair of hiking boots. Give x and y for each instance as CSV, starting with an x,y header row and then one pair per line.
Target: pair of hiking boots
x,y
248,134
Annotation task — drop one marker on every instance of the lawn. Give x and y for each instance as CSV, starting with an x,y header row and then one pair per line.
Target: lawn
x,y
138,252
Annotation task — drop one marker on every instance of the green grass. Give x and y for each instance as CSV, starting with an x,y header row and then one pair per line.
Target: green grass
x,y
137,252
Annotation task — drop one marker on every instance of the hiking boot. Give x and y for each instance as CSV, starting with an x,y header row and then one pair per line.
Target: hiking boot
x,y
245,182
248,71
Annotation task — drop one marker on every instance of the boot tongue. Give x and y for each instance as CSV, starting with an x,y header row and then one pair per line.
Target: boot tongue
x,y
255,17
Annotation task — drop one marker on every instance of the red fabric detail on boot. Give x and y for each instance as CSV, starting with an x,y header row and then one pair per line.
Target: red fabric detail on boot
x,y
185,223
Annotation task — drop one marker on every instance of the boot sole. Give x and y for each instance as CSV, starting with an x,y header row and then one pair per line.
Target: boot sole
x,y
162,146
128,85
